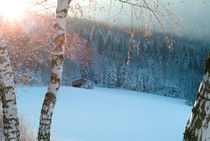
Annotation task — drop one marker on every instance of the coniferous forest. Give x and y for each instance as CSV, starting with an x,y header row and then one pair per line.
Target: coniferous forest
x,y
159,63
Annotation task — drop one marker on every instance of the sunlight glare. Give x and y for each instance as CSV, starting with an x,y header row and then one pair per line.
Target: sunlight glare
x,y
12,9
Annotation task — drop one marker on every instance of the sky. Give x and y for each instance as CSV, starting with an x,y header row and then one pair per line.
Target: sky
x,y
193,15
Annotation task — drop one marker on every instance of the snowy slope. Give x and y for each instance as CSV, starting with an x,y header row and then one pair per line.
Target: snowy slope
x,y
104,114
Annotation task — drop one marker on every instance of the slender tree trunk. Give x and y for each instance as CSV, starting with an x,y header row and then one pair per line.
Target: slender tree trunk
x,y
56,71
198,126
8,96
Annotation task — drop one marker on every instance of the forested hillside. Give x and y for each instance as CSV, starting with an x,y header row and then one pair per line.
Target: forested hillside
x,y
152,62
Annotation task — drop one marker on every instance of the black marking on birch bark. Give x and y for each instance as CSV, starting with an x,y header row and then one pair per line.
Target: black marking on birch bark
x,y
2,59
189,134
62,11
46,115
60,17
57,26
199,111
7,120
57,60
199,115
59,39
2,48
54,79
59,47
207,66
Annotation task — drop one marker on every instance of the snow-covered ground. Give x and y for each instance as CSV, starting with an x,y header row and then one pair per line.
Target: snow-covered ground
x,y
102,114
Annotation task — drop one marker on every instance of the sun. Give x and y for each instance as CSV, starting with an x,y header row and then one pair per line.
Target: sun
x,y
12,9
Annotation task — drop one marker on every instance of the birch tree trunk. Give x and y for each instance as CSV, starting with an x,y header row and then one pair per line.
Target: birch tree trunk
x,y
56,70
8,96
198,126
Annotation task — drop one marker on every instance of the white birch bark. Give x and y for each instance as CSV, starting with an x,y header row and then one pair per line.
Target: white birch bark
x,y
56,70
198,126
8,96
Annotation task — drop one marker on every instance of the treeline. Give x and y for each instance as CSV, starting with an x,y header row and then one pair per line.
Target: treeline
x,y
111,57
154,62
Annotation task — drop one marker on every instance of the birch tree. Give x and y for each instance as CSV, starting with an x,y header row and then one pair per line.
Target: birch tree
x,y
56,70
8,96
198,126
